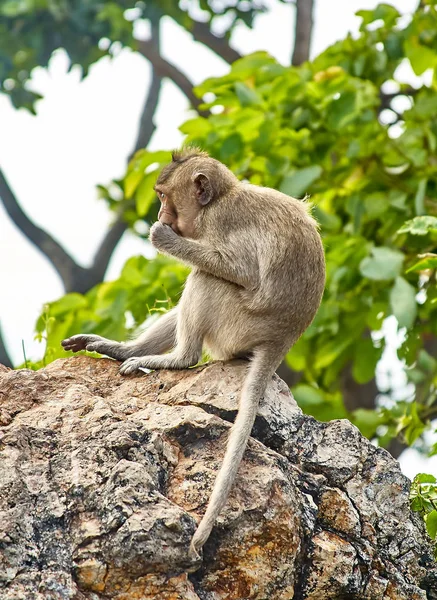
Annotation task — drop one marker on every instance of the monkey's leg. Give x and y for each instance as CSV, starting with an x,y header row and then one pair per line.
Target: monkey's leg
x,y
187,353
158,338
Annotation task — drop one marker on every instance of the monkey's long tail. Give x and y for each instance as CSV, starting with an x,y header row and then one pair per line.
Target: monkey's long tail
x,y
262,367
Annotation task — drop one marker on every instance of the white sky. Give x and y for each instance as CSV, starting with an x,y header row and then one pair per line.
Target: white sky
x,y
82,135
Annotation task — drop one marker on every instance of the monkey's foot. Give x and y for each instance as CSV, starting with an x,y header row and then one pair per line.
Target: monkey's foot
x,y
134,364
157,361
75,343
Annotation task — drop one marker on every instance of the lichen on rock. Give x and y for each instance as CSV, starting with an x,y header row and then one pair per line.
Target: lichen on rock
x,y
103,478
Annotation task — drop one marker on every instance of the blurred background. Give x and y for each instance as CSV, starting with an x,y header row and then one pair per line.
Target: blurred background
x,y
334,99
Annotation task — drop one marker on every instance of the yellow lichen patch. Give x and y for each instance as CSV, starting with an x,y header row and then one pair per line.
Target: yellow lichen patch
x,y
261,560
154,586
337,511
91,574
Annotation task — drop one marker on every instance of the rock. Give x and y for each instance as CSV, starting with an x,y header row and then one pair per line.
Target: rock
x,y
103,478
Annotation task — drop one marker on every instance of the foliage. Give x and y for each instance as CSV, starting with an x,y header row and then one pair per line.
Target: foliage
x,y
336,128
30,31
112,309
423,497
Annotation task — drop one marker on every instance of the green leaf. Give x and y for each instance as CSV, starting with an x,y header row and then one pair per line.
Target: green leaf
x,y
431,524
297,182
196,127
140,163
425,106
428,261
297,355
419,225
420,57
342,111
426,362
132,181
246,95
417,504
397,199
384,264
416,376
331,351
386,12
13,8
403,302
376,204
145,194
367,421
321,405
376,315
231,147
419,200
365,361
326,220
410,424
256,62
425,478
68,303
307,396
393,45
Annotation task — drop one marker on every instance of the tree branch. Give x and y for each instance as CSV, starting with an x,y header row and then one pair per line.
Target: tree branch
x,y
202,33
74,277
145,131
52,250
303,30
165,69
106,249
116,231
147,126
4,356
386,99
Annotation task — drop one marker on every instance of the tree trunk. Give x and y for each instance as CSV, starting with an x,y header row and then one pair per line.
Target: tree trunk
x,y
303,31
4,356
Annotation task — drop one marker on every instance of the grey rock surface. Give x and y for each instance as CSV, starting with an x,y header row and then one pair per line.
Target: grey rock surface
x,y
103,478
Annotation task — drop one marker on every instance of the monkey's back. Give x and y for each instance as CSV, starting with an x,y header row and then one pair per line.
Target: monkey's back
x,y
289,249
282,237
276,235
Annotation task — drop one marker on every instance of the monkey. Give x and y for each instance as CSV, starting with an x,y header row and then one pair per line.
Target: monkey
x,y
257,280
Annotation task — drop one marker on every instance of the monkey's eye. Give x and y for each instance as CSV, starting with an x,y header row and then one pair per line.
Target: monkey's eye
x,y
161,195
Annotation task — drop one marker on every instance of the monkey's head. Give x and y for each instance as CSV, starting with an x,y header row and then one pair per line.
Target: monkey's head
x,y
188,185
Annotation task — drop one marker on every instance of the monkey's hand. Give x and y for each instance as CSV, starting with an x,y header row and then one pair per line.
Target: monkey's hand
x,y
163,237
82,342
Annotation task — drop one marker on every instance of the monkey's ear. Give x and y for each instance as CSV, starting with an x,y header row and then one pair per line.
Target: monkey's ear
x,y
204,191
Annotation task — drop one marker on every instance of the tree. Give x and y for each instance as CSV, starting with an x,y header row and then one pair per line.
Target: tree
x,y
332,126
30,33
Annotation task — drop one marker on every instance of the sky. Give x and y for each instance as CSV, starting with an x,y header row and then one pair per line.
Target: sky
x,y
82,135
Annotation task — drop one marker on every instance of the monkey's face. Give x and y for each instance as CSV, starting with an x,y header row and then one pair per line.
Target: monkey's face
x,y
186,189
167,213
180,216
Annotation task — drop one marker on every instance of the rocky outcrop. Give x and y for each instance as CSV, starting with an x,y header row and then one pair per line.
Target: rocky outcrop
x,y
102,480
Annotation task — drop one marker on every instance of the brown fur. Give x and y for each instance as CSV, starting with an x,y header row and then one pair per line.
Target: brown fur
x,y
257,281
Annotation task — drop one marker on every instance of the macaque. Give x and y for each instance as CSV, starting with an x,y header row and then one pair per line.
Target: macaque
x,y
257,279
